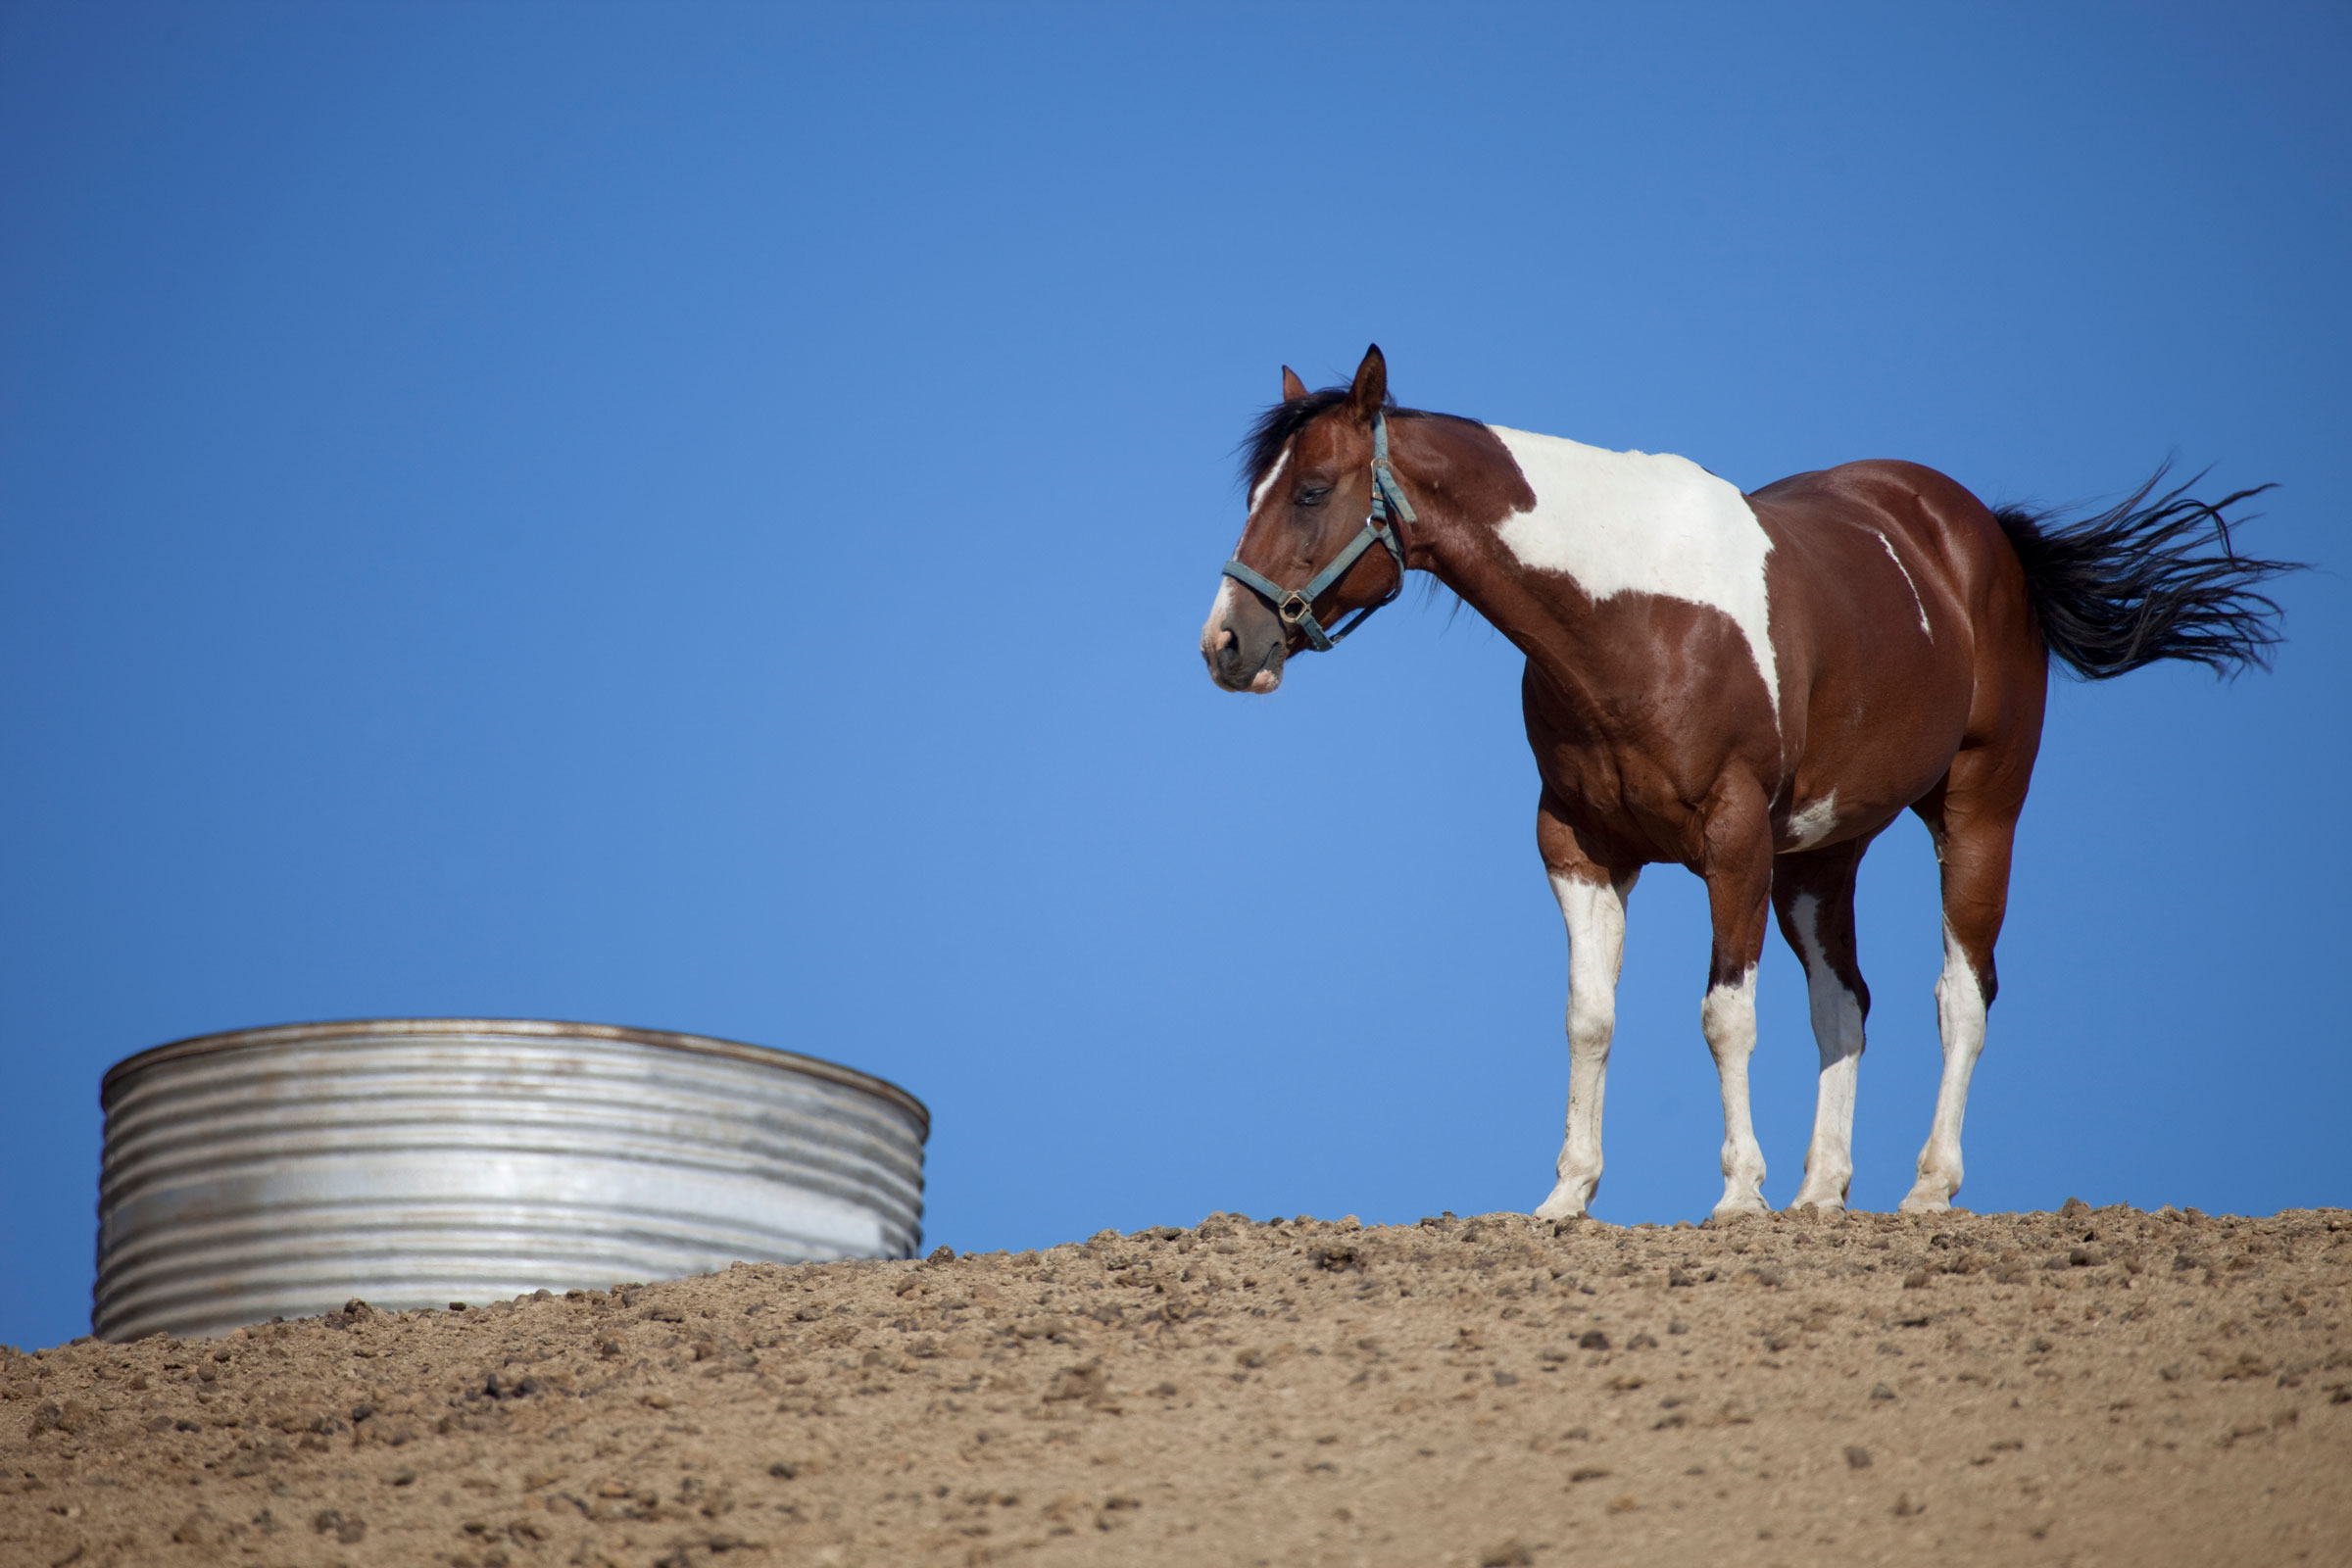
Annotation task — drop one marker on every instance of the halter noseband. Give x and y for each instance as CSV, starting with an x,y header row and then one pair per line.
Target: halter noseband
x,y
1296,606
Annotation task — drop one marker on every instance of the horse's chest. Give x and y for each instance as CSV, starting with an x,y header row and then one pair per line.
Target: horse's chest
x,y
1641,768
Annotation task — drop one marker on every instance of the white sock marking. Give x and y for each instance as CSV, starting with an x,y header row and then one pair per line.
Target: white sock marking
x,y
1960,1020
1642,522
1728,1018
1837,1033
1594,912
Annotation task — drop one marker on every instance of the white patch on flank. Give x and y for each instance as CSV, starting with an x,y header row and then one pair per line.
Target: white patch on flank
x,y
1594,912
1645,523
1728,1018
1837,1033
1908,583
1258,495
1814,824
1960,1018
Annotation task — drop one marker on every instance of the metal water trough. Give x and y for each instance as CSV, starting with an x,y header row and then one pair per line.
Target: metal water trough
x,y
417,1161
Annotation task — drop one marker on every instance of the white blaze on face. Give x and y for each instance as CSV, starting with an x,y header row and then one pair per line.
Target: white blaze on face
x,y
1642,522
1258,495
1220,608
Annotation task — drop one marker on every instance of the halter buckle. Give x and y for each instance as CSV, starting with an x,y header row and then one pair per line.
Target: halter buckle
x,y
1294,608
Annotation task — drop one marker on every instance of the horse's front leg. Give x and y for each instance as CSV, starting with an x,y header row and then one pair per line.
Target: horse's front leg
x,y
1593,905
1737,869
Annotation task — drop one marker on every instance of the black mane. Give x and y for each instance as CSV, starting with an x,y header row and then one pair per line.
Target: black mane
x,y
1274,429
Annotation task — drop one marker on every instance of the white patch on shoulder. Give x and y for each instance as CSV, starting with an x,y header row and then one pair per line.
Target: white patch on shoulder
x,y
1920,603
1646,524
1259,495
1814,824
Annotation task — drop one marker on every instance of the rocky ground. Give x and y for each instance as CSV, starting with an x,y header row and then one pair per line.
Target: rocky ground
x,y
2094,1385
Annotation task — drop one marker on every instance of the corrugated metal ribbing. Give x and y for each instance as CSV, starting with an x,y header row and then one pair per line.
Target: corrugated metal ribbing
x,y
417,1161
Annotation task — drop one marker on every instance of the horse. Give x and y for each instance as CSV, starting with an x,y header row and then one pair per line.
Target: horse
x,y
1751,686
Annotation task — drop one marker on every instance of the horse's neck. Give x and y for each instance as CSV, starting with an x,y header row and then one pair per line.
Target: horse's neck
x,y
1469,489
1519,518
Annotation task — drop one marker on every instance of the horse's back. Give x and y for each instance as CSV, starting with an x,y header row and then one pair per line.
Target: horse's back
x,y
1932,510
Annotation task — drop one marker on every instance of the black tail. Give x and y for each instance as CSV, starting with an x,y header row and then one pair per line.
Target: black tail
x,y
2128,587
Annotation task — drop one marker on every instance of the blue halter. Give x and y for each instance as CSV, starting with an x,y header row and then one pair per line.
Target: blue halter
x,y
1296,606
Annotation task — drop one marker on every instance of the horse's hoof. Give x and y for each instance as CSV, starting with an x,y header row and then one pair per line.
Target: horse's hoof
x,y
1558,1207
1730,1210
1923,1204
1819,1205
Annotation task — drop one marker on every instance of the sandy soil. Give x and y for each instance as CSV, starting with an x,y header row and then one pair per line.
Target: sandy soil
x,y
2096,1385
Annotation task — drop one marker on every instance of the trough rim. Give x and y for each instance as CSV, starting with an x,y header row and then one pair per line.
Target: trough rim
x,y
519,1029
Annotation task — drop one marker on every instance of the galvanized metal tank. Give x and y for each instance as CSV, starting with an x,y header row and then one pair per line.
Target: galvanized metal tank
x,y
417,1161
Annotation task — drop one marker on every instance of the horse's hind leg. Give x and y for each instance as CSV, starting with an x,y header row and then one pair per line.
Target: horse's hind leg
x,y
1813,893
1592,904
1973,820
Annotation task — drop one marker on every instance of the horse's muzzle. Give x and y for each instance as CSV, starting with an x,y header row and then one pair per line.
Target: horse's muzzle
x,y
1230,669
1244,645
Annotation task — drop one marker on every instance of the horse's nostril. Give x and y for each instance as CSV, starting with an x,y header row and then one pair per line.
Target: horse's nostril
x,y
1226,639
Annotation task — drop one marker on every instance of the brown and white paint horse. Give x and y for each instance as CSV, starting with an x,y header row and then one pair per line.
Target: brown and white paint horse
x,y
1753,686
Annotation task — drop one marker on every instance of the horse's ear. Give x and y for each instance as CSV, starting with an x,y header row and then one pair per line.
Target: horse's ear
x,y
1293,389
1370,394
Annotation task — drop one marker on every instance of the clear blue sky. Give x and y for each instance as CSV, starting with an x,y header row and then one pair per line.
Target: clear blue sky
x,y
699,516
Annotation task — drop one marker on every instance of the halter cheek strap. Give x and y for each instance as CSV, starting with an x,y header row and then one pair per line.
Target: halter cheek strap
x,y
1296,606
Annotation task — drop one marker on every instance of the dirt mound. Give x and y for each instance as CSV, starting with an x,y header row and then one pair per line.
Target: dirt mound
x,y
2090,1386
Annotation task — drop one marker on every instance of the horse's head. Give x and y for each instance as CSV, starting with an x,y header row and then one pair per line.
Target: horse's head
x,y
1320,496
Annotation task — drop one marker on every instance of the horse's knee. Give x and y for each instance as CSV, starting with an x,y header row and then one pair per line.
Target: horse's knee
x,y
1590,1026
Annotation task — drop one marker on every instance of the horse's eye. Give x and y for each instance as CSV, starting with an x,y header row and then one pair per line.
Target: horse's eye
x,y
1313,494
